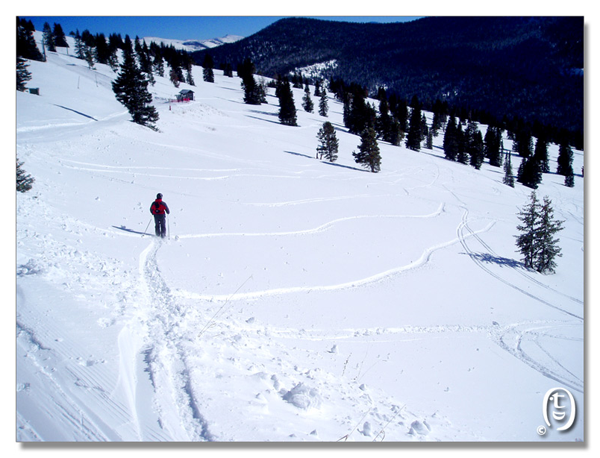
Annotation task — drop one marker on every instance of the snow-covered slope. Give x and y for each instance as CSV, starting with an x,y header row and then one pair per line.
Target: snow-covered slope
x,y
296,300
194,45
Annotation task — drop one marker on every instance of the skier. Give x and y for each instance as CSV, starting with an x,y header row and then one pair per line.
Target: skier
x,y
158,209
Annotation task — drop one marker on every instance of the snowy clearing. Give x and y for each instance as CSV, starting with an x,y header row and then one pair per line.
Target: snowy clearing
x,y
295,300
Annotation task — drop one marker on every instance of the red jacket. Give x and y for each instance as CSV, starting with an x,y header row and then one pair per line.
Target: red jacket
x,y
159,207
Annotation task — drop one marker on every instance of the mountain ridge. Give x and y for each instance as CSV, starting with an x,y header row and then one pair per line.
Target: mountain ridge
x,y
506,66
192,44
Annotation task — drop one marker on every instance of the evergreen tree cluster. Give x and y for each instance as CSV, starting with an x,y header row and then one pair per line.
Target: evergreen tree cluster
x,y
101,49
131,89
26,45
137,62
536,241
390,121
468,146
254,93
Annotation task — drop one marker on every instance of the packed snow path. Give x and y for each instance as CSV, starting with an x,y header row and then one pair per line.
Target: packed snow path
x,y
295,300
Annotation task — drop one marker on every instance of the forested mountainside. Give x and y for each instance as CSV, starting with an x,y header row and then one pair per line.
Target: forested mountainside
x,y
516,67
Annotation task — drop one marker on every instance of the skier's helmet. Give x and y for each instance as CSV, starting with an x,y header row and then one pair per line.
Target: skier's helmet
x,y
159,196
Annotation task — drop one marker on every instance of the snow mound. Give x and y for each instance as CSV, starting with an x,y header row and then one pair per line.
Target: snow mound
x,y
303,397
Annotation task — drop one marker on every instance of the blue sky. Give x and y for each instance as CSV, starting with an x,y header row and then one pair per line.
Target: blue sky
x,y
180,27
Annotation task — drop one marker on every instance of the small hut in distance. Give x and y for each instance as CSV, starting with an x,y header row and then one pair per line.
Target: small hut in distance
x,y
185,95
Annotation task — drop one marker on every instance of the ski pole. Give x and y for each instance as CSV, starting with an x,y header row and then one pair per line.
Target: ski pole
x,y
147,227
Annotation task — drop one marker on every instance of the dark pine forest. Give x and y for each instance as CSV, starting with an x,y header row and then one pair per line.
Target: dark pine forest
x,y
514,72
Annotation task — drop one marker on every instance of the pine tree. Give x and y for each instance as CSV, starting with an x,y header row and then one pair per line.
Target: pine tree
x,y
48,38
159,64
131,89
429,143
546,246
424,128
476,150
368,155
174,77
261,88
537,243
23,75
287,107
530,173
246,73
523,143
60,40
474,145
565,159
360,114
508,179
450,141
207,72
89,57
323,105
318,85
307,102
462,156
144,59
328,142
189,70
396,133
491,146
541,155
413,139
440,115
79,46
24,181
346,111
384,121
26,44
570,178
399,110
527,242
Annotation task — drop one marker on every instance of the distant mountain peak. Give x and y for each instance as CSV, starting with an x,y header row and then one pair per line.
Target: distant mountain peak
x,y
192,45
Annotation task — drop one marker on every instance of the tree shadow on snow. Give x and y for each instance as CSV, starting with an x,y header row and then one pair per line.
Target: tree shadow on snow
x,y
491,259
265,120
345,166
76,112
299,154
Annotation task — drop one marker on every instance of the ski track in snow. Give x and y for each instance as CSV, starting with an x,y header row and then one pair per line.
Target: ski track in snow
x,y
464,232
166,359
321,228
421,261
509,337
557,371
81,388
464,226
177,400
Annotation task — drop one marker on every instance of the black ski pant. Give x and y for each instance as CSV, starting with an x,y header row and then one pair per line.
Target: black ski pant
x,y
160,226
